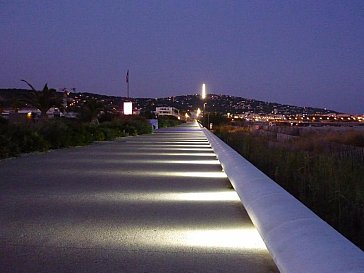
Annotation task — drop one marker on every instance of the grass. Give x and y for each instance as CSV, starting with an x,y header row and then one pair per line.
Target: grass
x,y
324,170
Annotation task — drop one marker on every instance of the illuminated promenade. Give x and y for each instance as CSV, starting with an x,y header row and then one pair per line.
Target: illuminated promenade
x,y
153,203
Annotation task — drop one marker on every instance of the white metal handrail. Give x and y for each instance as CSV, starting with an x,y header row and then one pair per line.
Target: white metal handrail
x,y
298,240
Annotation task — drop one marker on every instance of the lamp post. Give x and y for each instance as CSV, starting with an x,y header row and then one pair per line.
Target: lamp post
x,y
198,112
204,110
203,97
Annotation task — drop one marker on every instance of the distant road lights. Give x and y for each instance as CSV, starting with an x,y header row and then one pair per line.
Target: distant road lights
x,y
198,112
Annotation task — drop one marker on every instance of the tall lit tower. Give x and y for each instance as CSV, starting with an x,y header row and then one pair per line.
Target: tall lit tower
x,y
203,93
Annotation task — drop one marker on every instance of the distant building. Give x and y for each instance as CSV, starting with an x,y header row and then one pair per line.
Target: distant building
x,y
167,111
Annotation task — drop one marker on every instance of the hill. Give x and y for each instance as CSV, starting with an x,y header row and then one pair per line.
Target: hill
x,y
186,103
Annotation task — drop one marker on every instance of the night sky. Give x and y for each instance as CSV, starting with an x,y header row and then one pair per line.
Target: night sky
x,y
305,53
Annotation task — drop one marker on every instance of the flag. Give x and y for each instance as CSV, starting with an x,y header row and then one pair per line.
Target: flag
x,y
127,77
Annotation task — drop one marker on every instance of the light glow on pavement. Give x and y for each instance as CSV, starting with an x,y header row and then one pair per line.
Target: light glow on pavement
x,y
121,197
141,173
153,237
174,149
246,238
143,153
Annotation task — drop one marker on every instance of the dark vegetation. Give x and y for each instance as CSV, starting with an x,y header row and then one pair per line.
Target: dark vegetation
x,y
95,121
214,119
168,121
42,100
323,169
60,133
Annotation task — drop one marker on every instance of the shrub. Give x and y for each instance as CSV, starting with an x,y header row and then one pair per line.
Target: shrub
x,y
3,121
96,133
140,126
80,135
8,146
57,134
168,121
131,125
109,132
32,141
16,139
60,133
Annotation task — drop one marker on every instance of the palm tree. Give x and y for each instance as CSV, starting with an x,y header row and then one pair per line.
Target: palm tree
x,y
43,100
1,105
91,109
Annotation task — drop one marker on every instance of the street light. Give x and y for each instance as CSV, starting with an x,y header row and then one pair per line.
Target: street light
x,y
186,117
203,96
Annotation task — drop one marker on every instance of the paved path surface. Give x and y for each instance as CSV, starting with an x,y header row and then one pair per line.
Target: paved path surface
x,y
153,203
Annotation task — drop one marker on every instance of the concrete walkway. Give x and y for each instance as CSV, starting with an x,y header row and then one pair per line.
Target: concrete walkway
x,y
152,203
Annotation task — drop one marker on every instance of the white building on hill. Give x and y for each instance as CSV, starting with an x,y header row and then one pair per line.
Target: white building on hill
x,y
167,111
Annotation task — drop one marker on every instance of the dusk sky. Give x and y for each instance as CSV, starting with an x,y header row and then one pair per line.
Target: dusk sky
x,y
304,52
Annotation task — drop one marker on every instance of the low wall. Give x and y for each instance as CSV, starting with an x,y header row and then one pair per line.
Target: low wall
x,y
298,240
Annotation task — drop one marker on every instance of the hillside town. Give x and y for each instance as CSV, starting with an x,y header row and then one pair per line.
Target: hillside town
x,y
181,107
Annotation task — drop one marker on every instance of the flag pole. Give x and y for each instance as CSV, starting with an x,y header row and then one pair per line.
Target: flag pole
x,y
127,83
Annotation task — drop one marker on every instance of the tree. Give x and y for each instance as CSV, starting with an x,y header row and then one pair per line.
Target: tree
x,y
43,100
215,118
1,105
90,110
